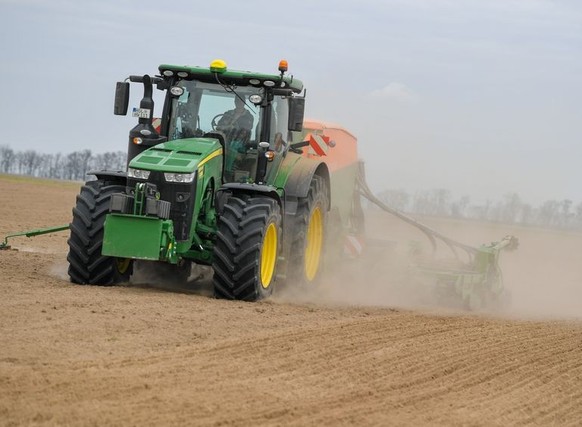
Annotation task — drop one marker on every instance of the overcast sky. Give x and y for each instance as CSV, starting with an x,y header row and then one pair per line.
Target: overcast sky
x,y
482,97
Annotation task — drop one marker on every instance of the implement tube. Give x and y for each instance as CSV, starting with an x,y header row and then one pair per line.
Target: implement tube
x,y
32,233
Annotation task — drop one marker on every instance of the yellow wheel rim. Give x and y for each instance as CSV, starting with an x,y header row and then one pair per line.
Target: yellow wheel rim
x,y
268,255
122,264
314,243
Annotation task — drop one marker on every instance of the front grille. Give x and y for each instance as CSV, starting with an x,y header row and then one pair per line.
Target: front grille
x,y
181,197
124,203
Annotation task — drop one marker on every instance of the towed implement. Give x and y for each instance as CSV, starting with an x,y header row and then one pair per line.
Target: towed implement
x,y
472,276
230,175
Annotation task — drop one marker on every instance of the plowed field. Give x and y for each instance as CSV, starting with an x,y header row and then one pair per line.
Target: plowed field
x,y
353,353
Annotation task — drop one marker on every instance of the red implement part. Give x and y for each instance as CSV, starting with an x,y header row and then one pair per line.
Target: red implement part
x,y
330,140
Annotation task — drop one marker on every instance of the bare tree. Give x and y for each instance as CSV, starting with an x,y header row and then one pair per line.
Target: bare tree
x,y
566,215
109,161
459,207
84,158
6,159
527,214
31,161
548,213
55,166
511,208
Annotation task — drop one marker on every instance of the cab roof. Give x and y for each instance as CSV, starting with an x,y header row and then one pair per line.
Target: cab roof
x,y
239,78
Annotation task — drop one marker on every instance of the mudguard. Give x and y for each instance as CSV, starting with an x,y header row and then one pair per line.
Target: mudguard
x,y
234,187
297,185
119,177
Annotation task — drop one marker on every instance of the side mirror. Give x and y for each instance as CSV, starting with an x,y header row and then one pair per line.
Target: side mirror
x,y
296,112
121,98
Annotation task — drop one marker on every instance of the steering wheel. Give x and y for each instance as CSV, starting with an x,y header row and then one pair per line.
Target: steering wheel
x,y
215,120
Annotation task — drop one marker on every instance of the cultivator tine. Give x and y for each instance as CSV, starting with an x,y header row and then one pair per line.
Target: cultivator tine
x,y
31,233
4,244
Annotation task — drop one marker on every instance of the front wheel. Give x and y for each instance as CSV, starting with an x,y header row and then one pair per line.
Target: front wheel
x,y
247,248
86,264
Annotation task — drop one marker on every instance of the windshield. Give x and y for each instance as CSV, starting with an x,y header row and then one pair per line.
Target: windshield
x,y
204,108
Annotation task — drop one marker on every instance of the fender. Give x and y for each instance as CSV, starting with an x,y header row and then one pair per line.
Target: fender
x,y
297,186
118,177
236,187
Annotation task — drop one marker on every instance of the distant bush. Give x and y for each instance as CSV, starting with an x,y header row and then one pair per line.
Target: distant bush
x,y
73,166
510,210
436,202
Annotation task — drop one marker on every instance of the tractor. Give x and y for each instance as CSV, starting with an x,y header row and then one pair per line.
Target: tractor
x,y
245,190
230,175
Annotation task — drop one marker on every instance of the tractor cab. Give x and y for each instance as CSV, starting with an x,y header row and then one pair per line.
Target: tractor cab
x,y
252,115
234,117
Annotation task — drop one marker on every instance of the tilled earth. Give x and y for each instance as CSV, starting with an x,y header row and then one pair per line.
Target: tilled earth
x,y
148,354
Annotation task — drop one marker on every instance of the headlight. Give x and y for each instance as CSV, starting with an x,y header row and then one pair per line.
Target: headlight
x,y
256,99
177,90
179,177
138,173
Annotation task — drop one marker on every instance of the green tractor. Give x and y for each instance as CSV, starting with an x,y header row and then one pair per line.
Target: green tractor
x,y
218,179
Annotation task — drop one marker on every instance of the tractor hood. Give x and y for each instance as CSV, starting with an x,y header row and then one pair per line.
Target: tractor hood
x,y
180,156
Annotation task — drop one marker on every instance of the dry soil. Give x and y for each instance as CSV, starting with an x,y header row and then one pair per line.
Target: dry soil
x,y
350,353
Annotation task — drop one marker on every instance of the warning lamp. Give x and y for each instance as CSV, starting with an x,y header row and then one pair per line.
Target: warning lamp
x,y
218,66
283,66
137,140
270,155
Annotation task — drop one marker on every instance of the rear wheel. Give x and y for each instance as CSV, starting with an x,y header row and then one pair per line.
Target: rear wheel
x,y
86,264
247,248
306,256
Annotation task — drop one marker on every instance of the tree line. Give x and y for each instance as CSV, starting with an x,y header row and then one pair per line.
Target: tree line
x,y
511,209
73,166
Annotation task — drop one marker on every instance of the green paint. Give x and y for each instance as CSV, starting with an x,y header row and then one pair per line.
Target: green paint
x,y
139,237
179,156
206,74
32,233
343,187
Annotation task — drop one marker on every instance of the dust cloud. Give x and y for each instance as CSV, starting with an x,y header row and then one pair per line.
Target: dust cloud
x,y
167,277
60,270
543,276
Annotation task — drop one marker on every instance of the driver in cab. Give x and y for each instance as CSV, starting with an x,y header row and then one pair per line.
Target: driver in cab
x,y
237,125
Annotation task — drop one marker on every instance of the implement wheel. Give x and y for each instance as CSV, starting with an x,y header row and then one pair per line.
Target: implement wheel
x,y
305,262
247,247
86,264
